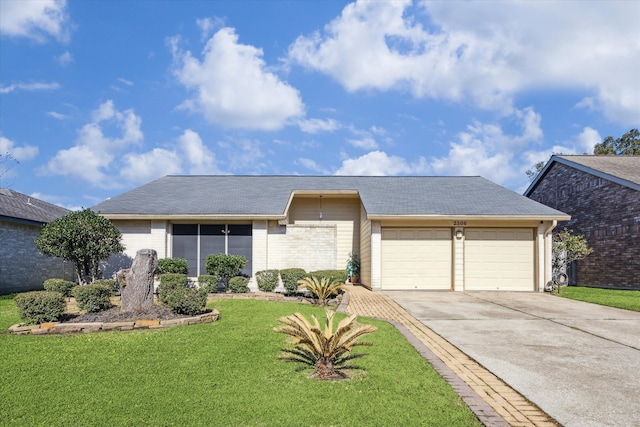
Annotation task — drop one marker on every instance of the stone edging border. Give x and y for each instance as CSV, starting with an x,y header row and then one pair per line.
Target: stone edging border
x,y
66,328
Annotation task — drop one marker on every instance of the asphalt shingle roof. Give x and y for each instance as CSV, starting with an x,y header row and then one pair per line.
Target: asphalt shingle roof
x,y
269,195
22,207
623,167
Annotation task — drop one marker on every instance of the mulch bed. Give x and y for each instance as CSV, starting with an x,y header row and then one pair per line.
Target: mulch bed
x,y
114,314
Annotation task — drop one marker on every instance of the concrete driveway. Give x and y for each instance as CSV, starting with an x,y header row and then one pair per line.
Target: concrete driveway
x,y
577,361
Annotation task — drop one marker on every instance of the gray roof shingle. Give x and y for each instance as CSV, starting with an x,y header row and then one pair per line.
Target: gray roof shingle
x,y
269,195
18,206
623,170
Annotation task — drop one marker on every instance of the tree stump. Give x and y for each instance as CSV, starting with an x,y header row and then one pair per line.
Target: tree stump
x,y
138,292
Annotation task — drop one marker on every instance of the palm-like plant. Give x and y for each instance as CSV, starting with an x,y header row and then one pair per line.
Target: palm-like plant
x,y
326,350
322,288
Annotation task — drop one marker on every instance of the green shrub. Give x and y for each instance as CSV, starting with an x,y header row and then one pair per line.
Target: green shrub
x,y
59,285
332,275
189,301
290,277
40,306
267,280
169,282
93,298
172,265
225,266
208,282
238,285
111,283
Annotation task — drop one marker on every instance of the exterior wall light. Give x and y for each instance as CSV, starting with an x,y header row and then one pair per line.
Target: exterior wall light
x,y
459,234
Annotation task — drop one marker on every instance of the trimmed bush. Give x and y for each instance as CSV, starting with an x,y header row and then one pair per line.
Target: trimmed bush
x,y
93,298
332,275
208,282
290,277
267,280
59,285
189,301
40,306
238,285
172,265
170,282
111,283
225,266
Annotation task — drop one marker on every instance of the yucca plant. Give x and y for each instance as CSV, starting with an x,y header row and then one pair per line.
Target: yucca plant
x,y
326,350
321,289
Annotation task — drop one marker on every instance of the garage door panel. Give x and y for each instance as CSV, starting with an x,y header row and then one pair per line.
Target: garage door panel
x,y
416,258
499,259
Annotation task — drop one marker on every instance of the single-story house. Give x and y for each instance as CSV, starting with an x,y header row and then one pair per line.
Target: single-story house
x,y
602,195
437,233
22,267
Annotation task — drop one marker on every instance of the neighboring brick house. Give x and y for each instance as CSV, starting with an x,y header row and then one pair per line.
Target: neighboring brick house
x,y
602,195
22,267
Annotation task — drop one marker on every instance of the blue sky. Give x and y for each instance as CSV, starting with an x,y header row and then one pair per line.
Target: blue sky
x,y
99,97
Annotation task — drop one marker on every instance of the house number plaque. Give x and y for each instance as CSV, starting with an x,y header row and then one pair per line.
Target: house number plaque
x,y
459,223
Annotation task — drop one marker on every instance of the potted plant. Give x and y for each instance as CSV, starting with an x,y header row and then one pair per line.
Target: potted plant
x,y
353,267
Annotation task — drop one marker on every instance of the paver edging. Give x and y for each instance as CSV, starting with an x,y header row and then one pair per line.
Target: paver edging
x,y
65,328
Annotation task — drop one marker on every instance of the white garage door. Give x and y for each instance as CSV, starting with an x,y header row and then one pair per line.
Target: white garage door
x,y
498,259
416,258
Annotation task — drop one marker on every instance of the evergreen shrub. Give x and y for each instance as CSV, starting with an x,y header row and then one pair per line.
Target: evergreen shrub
x,y
40,306
267,280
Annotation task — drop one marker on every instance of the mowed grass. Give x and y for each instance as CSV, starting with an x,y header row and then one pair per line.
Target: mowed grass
x,y
224,373
628,300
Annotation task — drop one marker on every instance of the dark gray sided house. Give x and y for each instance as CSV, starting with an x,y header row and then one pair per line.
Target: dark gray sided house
x,y
602,195
22,267
438,233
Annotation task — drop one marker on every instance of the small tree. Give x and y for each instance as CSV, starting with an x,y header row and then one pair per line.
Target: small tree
x,y
568,248
225,266
84,238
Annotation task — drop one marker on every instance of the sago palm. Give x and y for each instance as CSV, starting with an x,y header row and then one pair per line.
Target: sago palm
x,y
322,289
326,350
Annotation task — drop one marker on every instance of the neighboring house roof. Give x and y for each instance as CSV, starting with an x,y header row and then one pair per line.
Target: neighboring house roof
x,y
270,196
16,206
623,170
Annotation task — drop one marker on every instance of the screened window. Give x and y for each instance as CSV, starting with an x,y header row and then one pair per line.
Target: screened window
x,y
195,242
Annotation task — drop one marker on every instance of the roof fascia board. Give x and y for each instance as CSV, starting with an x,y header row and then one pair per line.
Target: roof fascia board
x,y
195,217
21,220
472,216
582,168
599,173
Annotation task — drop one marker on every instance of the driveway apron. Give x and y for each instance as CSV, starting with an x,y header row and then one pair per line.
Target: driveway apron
x,y
578,362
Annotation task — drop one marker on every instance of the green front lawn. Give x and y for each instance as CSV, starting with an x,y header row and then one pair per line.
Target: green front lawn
x,y
219,374
629,300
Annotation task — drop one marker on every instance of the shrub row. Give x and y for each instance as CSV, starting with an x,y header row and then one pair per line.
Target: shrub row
x,y
59,285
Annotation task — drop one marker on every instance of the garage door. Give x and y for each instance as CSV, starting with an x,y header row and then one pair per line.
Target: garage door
x,y
498,259
416,258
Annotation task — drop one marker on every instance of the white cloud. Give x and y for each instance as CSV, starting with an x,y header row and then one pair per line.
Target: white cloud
x,y
56,115
311,165
318,125
145,167
19,153
243,155
125,81
35,19
93,155
201,160
582,143
484,52
379,163
366,143
232,86
65,58
30,87
486,150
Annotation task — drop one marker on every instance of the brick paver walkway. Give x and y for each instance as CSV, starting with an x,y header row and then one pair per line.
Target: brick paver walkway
x,y
511,407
